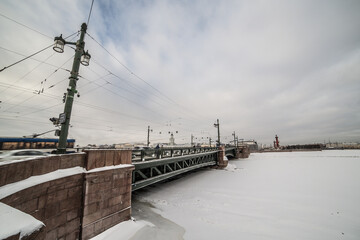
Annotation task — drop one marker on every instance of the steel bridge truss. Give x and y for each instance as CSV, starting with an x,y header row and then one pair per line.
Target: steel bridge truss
x,y
230,152
153,171
149,154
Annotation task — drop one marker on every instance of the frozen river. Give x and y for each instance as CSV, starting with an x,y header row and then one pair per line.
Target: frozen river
x,y
295,195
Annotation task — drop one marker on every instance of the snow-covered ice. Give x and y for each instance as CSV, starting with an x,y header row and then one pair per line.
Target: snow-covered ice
x,y
294,195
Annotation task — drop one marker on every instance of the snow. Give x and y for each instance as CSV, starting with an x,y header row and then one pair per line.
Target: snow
x,y
123,230
12,188
15,221
109,168
293,195
279,195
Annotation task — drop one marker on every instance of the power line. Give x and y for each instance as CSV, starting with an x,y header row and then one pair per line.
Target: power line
x,y
128,84
30,72
26,58
32,29
49,76
130,71
186,111
128,99
49,64
110,111
41,90
32,55
90,12
41,109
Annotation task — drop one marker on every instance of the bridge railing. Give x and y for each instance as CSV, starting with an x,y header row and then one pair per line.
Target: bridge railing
x,y
150,154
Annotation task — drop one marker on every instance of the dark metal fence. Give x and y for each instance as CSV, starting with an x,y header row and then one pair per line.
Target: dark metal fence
x,y
151,154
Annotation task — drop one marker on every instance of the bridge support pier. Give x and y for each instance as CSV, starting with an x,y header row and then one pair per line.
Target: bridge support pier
x,y
222,162
243,151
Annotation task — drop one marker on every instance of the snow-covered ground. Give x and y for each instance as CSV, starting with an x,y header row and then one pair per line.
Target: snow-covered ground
x,y
296,195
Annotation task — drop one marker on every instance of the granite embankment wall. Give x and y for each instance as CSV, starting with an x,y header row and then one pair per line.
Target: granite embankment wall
x,y
76,196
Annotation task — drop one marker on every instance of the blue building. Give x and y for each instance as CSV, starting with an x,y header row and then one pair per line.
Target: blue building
x,y
10,143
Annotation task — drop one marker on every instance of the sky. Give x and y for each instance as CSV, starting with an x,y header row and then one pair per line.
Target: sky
x,y
262,68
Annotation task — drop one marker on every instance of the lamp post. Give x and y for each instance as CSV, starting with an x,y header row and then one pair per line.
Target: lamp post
x,y
148,135
80,57
234,138
218,128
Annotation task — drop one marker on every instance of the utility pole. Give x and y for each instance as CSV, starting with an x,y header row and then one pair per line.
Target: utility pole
x,y
80,57
148,136
192,140
234,138
218,128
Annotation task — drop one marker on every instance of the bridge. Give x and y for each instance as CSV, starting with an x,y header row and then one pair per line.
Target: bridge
x,y
78,196
155,165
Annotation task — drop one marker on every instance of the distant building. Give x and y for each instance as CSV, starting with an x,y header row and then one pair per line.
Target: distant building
x,y
10,143
172,140
252,144
337,145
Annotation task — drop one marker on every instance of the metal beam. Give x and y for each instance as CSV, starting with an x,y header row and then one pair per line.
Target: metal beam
x,y
147,182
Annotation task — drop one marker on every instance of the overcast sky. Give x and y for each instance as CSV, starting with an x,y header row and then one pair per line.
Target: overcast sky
x,y
290,68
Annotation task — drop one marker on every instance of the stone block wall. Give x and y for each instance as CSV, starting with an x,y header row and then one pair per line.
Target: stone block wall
x,y
78,206
107,199
57,203
103,158
17,171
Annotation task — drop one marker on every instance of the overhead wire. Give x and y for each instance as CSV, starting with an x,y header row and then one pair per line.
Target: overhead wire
x,y
37,60
185,111
26,58
128,83
33,69
130,71
40,91
32,29
92,3
21,60
125,89
138,77
78,103
126,98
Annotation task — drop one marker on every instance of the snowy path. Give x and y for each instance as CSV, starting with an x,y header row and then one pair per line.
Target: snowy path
x,y
301,195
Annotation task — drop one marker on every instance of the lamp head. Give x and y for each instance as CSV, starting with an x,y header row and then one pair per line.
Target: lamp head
x,y
85,59
59,43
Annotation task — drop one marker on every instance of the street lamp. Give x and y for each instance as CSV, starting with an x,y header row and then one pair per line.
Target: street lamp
x,y
85,59
80,57
148,136
217,125
59,44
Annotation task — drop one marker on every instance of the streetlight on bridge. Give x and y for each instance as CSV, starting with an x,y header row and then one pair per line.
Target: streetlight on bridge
x,y
80,57
148,136
217,124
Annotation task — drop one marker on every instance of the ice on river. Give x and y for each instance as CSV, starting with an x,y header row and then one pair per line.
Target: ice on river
x,y
294,195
